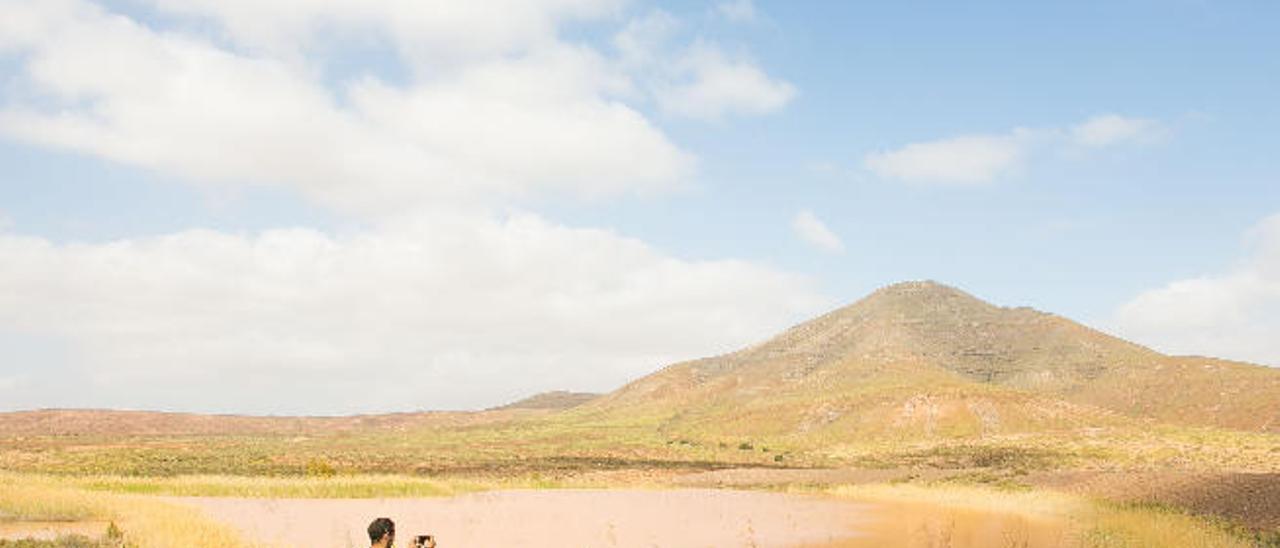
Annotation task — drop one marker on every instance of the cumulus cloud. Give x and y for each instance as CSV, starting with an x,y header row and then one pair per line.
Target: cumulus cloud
x,y
542,121
646,40
429,32
814,232
740,11
1235,314
700,80
440,304
984,159
503,108
1111,129
447,311
708,84
518,111
967,160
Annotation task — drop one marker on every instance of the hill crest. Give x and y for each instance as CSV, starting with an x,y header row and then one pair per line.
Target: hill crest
x,y
554,400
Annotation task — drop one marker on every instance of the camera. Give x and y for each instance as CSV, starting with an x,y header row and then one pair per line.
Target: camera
x,y
424,541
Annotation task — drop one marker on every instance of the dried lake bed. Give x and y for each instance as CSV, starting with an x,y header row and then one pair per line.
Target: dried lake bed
x,y
545,518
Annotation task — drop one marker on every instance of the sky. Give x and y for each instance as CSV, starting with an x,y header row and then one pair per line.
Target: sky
x,y
358,206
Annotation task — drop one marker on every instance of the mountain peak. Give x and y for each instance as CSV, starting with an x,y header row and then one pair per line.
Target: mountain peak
x,y
916,286
555,400
926,322
920,292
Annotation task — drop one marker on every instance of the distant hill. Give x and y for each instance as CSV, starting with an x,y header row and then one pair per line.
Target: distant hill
x,y
924,359
558,399
106,422
910,361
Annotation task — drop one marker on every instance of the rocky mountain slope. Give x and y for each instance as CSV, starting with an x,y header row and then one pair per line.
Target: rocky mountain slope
x,y
924,359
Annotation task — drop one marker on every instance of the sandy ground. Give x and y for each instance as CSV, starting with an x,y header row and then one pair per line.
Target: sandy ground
x,y
559,518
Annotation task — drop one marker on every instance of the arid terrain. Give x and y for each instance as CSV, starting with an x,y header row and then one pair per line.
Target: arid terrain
x,y
557,518
919,396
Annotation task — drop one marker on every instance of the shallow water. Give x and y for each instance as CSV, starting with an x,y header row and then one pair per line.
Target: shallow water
x,y
559,518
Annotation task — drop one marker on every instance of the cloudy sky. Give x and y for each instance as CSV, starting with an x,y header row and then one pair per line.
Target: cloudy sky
x,y
340,206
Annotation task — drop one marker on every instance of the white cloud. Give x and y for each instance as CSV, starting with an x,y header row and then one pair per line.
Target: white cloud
x,y
538,122
438,306
428,32
814,232
1234,315
504,107
1111,129
645,41
967,160
741,11
699,80
707,84
985,159
445,311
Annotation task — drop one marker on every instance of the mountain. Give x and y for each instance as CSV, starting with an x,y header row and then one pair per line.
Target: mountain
x,y
555,400
911,361
924,359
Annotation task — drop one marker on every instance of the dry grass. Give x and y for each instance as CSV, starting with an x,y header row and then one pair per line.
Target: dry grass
x,y
1123,526
380,486
72,498
960,515
145,522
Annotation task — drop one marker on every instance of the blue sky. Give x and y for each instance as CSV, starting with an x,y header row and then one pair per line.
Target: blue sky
x,y
199,194
1062,235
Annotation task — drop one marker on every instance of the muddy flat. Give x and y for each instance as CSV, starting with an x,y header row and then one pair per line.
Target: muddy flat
x,y
681,518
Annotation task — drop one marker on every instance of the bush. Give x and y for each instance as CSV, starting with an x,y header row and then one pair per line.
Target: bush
x,y
318,468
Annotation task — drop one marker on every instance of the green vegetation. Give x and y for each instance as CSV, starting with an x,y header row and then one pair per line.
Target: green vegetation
x,y
577,442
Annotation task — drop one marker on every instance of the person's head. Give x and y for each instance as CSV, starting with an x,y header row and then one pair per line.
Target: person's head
x,y
382,532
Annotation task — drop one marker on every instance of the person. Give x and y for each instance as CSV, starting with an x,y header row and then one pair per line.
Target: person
x,y
382,533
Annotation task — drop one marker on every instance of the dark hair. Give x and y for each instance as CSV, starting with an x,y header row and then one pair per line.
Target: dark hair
x,y
381,527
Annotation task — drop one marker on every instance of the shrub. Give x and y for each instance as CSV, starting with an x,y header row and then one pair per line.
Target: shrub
x,y
318,468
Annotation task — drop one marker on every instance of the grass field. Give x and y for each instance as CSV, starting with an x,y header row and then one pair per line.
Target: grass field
x,y
917,514
960,515
1025,479
568,443
96,476
143,521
